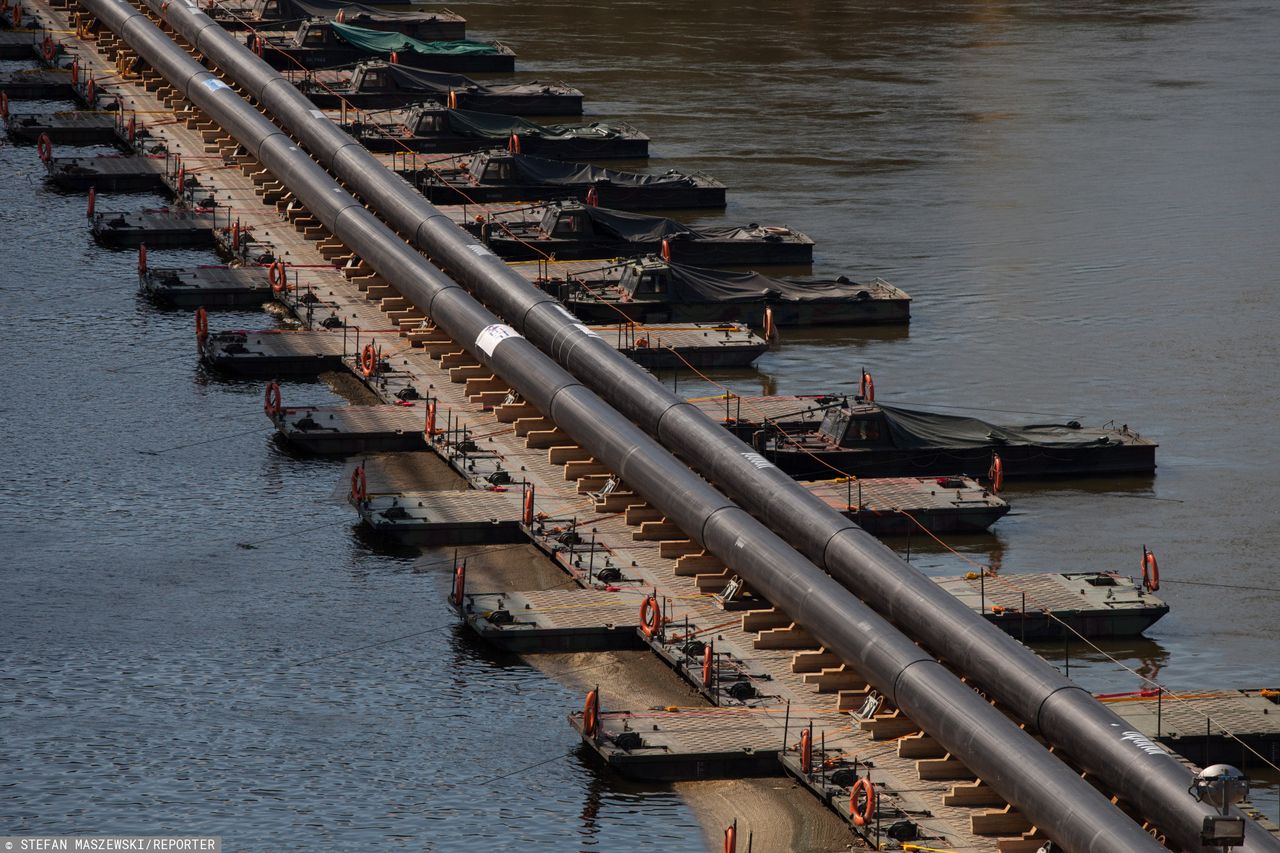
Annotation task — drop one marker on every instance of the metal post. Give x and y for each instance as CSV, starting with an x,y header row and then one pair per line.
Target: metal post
x,y
786,723
591,557
1159,710
1066,648
982,592
1024,616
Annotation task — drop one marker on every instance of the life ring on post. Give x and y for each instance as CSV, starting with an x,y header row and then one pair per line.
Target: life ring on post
x,y
591,714
731,839
276,276
257,45
202,335
593,197
93,202
368,360
48,49
867,386
44,147
75,72
527,515
770,330
513,144
272,403
17,15
708,660
459,584
650,616
806,752
4,104
90,91
132,132
142,259
862,815
430,427
666,250
235,236
996,473
452,102
1150,571
359,485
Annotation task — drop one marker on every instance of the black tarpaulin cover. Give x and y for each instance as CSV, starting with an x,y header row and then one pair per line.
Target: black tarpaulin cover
x,y
536,170
495,126
912,429
330,8
696,284
420,80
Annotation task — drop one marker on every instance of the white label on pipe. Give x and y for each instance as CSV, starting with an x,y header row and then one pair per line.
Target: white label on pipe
x,y
491,336
586,330
213,84
479,250
757,460
318,114
739,543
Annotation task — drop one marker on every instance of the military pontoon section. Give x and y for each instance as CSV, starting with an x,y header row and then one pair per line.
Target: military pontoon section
x,y
435,25
323,44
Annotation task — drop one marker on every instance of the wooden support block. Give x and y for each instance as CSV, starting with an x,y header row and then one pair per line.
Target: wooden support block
x,y
491,386
591,482
920,745
713,582
692,564
678,548
588,467
887,726
544,438
404,316
638,514
791,637
1005,821
851,701
836,678
488,399
460,375
764,620
458,358
393,303
972,795
358,268
436,349
617,502
652,531
814,661
524,426
513,412
563,453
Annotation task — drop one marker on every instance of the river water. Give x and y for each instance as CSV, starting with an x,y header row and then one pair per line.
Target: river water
x,y
1080,199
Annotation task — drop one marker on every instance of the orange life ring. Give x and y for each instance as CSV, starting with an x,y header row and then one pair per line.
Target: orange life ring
x,y
180,183
90,91
277,277
806,752
666,250
996,472
235,236
593,197
527,515
257,45
142,258
1150,571
430,428
341,17
93,202
44,147
452,102
272,403
133,129
4,104
731,839
202,333
642,343
459,584
650,616
17,15
359,485
708,658
75,72
48,49
770,330
513,144
862,816
395,58
591,714
368,360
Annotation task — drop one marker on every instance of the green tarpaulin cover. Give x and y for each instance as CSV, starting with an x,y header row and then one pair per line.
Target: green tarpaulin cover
x,y
377,41
501,127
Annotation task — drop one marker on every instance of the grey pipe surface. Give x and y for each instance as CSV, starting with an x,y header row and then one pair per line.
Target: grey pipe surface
x,y
1014,765
1066,714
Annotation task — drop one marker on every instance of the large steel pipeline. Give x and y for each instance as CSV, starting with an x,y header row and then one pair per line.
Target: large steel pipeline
x,y
1044,789
1068,716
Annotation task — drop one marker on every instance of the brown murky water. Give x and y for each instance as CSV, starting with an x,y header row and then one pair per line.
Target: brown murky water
x,y
1080,197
